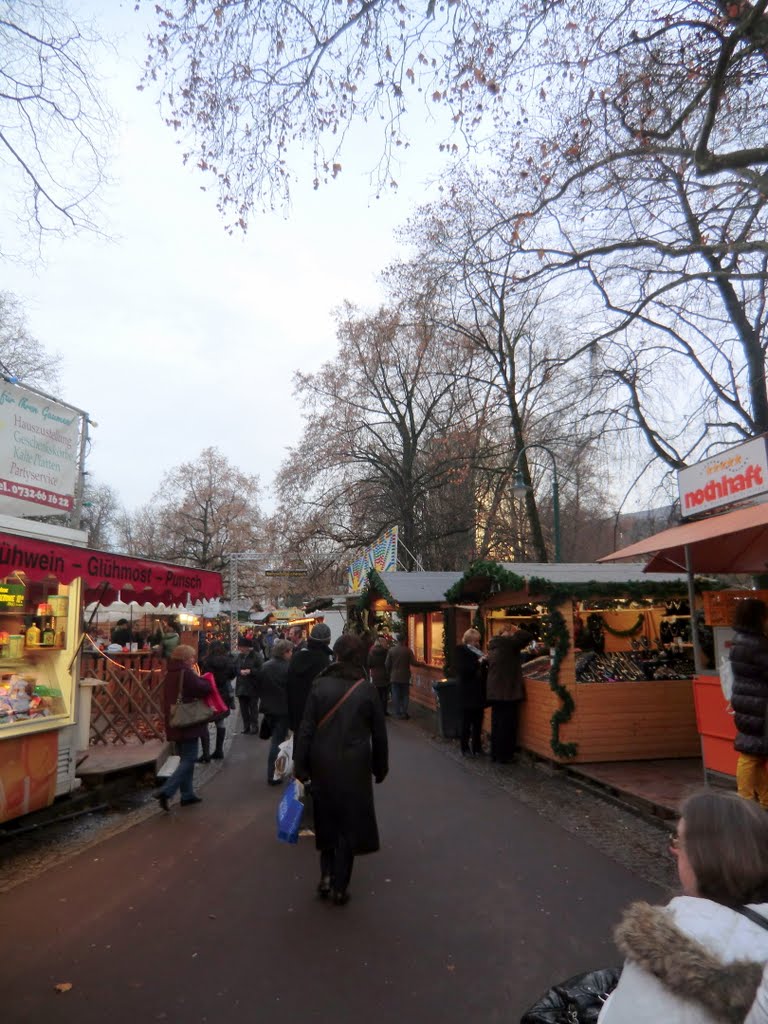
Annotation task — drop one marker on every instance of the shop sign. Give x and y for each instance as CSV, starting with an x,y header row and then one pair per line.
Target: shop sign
x,y
11,595
105,574
734,475
720,605
381,556
39,447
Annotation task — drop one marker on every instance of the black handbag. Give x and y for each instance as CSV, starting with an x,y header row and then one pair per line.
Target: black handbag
x,y
578,1000
265,729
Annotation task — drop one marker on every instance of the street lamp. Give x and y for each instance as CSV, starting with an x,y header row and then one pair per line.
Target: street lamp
x,y
520,489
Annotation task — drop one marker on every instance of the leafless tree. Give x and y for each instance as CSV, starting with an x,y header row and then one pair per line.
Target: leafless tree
x,y
21,355
202,512
54,123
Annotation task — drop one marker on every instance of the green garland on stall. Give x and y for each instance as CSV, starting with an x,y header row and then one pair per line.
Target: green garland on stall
x,y
559,642
376,585
621,632
498,579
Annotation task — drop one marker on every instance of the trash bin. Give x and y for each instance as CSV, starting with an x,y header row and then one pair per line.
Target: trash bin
x,y
448,711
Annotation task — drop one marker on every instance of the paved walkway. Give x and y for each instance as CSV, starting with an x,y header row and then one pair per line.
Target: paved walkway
x,y
474,905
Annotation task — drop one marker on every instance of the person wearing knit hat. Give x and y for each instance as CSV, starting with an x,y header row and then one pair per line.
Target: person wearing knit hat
x,y
321,632
306,664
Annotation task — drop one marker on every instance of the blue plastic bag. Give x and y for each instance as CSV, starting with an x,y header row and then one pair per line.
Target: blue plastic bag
x,y
289,813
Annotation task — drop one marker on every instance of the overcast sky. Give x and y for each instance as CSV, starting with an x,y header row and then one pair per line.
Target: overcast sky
x,y
176,336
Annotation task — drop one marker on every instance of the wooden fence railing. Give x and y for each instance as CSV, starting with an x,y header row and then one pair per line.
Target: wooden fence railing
x,y
130,704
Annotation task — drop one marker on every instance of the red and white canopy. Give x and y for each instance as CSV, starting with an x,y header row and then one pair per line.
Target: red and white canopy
x,y
105,574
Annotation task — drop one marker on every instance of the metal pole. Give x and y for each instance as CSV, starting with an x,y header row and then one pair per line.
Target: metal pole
x,y
77,508
232,602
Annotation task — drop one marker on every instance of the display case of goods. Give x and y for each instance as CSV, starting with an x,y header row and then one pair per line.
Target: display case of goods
x,y
36,686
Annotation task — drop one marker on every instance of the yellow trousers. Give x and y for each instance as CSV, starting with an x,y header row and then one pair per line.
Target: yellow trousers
x,y
752,778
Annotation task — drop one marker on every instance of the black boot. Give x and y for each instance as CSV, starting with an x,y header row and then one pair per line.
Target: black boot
x,y
218,754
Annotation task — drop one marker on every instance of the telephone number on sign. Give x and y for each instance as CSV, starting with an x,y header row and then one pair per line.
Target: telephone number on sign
x,y
36,494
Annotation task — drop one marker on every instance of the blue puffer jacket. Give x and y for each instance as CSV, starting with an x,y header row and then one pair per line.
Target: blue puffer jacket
x,y
749,700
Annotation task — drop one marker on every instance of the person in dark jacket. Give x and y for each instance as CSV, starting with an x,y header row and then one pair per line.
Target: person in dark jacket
x,y
398,663
249,661
341,746
749,699
505,691
273,700
377,669
306,664
471,669
223,667
182,676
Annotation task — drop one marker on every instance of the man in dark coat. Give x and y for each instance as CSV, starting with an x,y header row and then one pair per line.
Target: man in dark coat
x,y
273,700
306,664
398,663
341,746
749,699
377,668
505,690
249,661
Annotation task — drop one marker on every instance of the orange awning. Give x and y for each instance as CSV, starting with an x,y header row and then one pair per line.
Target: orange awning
x,y
735,542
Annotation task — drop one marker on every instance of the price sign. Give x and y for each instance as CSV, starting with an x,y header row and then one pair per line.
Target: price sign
x,y
11,596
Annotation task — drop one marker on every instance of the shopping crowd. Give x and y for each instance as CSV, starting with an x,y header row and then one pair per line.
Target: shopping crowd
x,y
701,958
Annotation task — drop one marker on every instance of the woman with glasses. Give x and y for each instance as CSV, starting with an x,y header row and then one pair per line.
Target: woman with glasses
x,y
699,960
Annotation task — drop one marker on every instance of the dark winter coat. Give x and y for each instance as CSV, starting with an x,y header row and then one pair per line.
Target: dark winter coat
x,y
193,688
247,686
304,667
377,657
505,667
342,758
271,688
223,667
471,673
398,662
749,699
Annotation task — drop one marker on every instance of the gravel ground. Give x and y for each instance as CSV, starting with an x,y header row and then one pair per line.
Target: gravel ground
x,y
637,842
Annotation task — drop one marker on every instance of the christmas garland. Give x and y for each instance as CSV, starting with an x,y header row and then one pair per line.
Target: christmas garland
x,y
623,632
497,579
374,584
559,642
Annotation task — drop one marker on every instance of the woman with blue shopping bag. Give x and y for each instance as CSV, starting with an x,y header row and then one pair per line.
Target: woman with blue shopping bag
x,y
341,746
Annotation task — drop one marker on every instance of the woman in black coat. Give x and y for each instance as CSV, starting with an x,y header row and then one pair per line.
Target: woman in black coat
x,y
749,699
341,746
471,669
223,667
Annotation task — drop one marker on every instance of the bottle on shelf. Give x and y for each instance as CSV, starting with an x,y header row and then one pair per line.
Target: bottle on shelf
x,y
48,637
32,636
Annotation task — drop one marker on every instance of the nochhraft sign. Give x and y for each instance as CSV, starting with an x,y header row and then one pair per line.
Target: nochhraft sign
x,y
734,475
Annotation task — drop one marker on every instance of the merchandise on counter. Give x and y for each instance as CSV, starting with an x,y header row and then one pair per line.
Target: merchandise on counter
x,y
636,665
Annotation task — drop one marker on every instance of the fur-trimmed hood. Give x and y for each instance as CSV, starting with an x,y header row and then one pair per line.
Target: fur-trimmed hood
x,y
649,937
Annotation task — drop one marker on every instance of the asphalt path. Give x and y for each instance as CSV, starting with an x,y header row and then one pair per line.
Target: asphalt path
x,y
474,905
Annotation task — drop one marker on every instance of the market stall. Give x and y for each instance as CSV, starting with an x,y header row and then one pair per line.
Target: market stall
x,y
414,602
734,542
48,574
609,675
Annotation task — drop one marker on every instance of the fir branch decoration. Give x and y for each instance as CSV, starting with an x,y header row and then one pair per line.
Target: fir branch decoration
x,y
559,642
624,632
496,578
